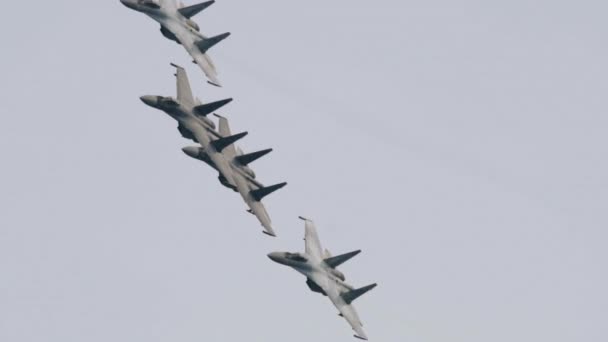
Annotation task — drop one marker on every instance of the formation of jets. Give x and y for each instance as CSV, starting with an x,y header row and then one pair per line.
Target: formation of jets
x,y
216,147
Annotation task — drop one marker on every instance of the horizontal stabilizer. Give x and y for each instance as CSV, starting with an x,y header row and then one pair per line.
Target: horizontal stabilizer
x,y
246,159
263,192
350,296
207,43
338,260
193,10
208,108
224,142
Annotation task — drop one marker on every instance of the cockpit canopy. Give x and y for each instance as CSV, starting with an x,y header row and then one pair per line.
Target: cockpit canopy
x,y
149,3
169,101
297,257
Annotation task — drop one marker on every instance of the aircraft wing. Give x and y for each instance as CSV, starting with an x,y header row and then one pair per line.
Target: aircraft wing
x,y
201,136
311,239
350,315
244,187
188,40
333,287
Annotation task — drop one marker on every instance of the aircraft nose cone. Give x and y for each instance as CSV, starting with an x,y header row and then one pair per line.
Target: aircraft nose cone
x,y
128,3
275,256
191,151
149,100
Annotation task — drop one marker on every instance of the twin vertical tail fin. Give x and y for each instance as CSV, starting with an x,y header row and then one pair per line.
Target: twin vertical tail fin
x,y
191,11
338,260
350,296
221,143
207,43
246,159
260,193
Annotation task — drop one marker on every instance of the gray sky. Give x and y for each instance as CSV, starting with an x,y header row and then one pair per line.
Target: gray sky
x,y
461,145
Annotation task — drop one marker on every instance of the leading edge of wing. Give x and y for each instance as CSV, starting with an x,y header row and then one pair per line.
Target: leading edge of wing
x,y
311,239
350,315
256,208
333,290
202,60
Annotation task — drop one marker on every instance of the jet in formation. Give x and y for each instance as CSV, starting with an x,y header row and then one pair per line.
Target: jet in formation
x,y
176,24
216,149
319,268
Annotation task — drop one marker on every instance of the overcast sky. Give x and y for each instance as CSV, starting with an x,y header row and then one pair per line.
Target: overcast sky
x,y
460,144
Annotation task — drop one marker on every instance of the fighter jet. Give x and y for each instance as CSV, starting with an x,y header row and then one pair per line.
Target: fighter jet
x,y
321,274
244,178
176,24
216,148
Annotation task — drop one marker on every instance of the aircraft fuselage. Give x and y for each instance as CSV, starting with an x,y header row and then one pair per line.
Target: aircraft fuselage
x,y
200,130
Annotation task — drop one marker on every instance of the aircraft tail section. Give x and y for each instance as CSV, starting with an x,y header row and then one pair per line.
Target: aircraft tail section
x,y
193,10
260,193
208,108
338,260
224,142
207,43
246,159
350,296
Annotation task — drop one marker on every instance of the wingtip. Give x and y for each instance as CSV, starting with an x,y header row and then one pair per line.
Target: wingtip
x,y
267,228
216,83
361,337
303,218
176,66
272,234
